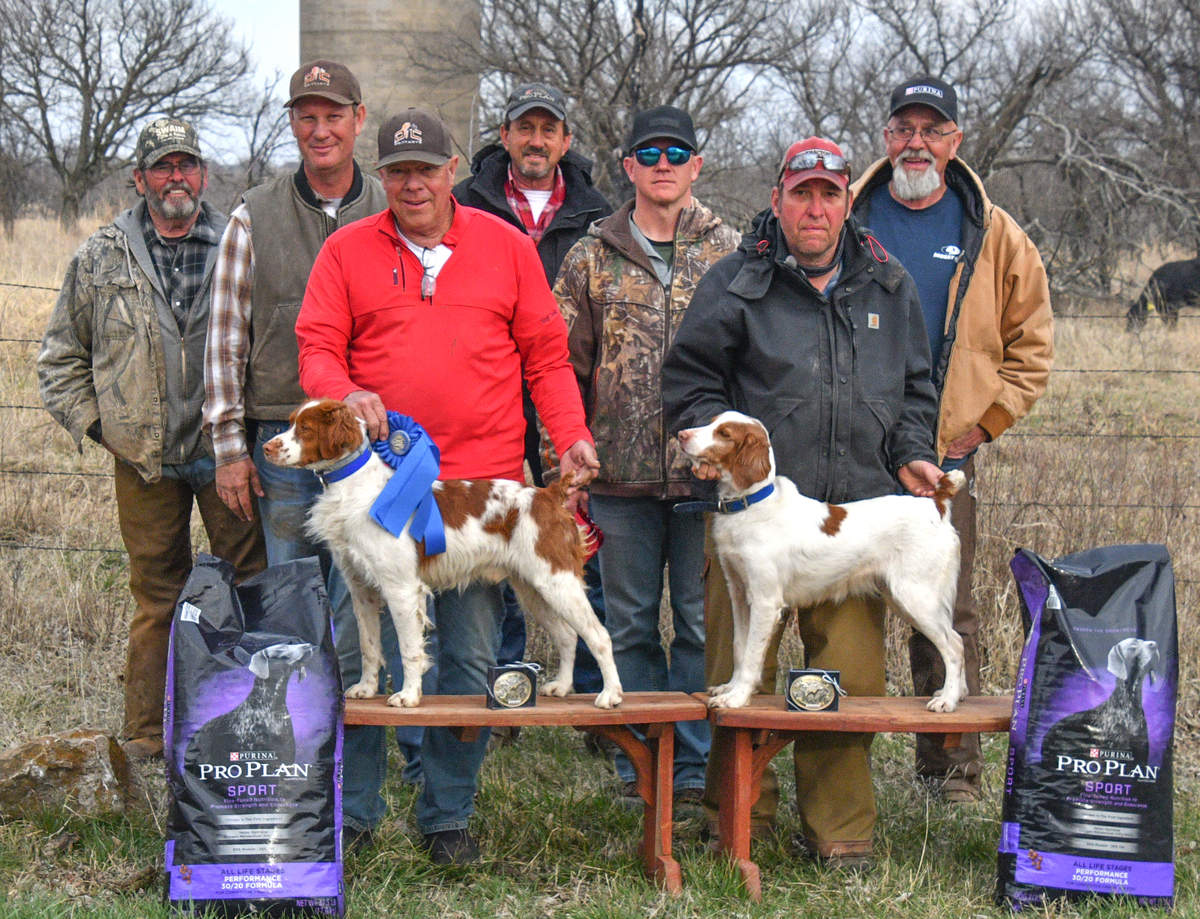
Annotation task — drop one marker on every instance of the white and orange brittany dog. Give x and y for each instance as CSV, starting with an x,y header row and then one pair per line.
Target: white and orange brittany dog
x,y
495,529
781,549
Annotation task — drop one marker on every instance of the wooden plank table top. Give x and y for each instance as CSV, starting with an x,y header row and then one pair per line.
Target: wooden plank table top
x,y
877,714
579,710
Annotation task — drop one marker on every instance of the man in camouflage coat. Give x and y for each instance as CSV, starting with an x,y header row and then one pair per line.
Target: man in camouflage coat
x,y
624,289
122,362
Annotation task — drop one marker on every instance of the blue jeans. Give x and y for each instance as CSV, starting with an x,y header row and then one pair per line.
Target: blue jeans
x,y
640,536
468,636
289,495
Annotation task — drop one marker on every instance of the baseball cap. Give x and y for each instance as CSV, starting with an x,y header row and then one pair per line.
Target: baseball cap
x,y
925,89
664,121
535,95
814,157
163,136
414,135
327,79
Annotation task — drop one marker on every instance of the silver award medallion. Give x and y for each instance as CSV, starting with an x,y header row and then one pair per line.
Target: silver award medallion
x,y
400,442
809,691
512,689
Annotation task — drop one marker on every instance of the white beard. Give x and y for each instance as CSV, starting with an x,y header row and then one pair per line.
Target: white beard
x,y
915,186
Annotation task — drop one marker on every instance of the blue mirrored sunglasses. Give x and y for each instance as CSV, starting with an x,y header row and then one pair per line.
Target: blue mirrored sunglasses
x,y
676,156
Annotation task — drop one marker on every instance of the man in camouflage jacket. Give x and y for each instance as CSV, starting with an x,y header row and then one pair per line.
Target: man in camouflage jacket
x,y
122,362
623,290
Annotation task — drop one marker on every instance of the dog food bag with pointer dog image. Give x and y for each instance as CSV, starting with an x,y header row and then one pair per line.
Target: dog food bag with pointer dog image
x,y
1088,782
253,739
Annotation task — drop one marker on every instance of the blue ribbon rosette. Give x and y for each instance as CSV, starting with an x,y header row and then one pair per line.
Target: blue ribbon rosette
x,y
409,492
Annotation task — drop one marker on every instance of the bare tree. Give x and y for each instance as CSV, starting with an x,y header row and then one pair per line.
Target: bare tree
x,y
612,58
83,74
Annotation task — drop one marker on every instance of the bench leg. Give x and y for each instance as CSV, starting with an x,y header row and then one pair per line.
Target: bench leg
x,y
653,762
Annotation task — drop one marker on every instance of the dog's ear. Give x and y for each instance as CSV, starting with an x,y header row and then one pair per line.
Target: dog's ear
x,y
752,459
340,430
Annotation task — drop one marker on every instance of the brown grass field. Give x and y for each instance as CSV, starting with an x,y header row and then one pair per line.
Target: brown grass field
x,y
1108,456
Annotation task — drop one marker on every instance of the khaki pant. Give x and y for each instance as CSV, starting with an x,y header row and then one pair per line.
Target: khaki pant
x,y
834,795
964,762
156,529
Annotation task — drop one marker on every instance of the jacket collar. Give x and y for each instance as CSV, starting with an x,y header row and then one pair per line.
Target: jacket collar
x,y
304,190
694,223
489,168
959,176
764,253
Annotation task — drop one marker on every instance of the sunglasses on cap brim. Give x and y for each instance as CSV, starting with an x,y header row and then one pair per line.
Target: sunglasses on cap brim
x,y
813,159
649,156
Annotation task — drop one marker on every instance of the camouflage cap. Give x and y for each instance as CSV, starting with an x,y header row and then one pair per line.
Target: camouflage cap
x,y
163,136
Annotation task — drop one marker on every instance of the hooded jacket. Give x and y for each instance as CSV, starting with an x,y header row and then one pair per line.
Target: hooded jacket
x,y
999,325
113,362
840,378
621,321
484,189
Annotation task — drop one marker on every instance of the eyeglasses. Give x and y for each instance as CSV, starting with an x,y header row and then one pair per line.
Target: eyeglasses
x,y
162,170
649,156
811,159
930,135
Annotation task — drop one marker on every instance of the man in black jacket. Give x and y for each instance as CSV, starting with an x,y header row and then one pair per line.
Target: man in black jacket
x,y
811,328
533,180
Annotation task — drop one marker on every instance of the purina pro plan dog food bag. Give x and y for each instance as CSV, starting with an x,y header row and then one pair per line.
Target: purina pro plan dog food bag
x,y
253,741
1088,784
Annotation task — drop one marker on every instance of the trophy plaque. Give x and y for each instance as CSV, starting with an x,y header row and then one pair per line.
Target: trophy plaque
x,y
512,685
813,690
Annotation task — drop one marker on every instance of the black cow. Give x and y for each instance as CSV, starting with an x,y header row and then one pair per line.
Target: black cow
x,y
1173,285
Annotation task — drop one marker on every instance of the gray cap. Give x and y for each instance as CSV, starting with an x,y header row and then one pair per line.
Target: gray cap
x,y
414,135
926,89
529,96
163,136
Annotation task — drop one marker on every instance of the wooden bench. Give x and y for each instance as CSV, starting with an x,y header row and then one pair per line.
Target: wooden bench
x,y
765,726
653,714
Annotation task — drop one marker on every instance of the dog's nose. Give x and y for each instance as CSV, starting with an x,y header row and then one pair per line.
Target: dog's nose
x,y
684,435
271,447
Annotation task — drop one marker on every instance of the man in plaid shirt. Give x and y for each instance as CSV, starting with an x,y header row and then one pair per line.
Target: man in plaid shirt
x,y
252,376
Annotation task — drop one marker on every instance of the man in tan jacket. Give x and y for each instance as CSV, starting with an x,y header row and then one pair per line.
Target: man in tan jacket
x,y
987,311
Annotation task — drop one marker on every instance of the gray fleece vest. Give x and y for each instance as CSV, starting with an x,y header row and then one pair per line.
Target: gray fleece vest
x,y
288,232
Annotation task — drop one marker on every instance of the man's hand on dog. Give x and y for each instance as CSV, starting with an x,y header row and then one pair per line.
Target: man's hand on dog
x,y
581,460
369,407
920,478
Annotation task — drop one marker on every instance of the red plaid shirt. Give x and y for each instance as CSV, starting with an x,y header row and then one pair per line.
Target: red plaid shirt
x,y
516,200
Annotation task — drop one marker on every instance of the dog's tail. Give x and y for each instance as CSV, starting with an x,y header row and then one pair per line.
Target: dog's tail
x,y
947,487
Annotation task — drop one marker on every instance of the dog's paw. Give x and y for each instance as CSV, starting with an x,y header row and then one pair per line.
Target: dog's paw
x,y
362,690
608,698
730,696
941,703
405,698
719,690
557,688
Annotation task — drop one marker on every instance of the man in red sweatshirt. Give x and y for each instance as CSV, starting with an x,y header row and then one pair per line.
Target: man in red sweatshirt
x,y
436,310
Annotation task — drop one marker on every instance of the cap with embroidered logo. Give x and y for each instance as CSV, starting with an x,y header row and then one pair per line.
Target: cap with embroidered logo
x,y
327,79
163,136
414,135
925,89
529,96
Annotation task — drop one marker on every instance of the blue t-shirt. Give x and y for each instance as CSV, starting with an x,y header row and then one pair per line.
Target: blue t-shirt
x,y
928,243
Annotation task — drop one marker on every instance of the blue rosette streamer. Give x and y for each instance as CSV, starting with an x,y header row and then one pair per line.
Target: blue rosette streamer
x,y
409,492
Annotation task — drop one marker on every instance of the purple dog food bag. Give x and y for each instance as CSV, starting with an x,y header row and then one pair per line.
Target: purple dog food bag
x,y
1088,785
253,740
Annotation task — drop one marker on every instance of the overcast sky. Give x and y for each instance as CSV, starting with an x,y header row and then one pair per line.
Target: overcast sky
x,y
272,30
